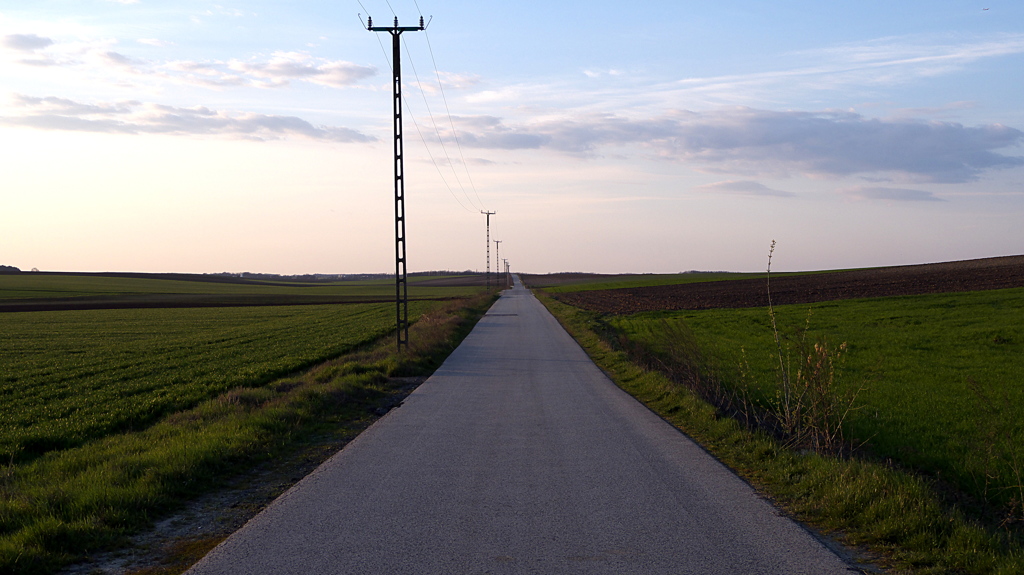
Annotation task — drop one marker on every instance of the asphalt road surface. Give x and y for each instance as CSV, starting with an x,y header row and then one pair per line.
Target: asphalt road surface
x,y
520,456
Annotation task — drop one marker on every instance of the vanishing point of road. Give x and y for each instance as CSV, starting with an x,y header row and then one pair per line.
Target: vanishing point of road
x,y
520,456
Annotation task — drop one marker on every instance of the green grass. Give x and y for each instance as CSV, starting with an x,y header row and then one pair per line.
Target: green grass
x,y
940,376
900,516
71,376
90,495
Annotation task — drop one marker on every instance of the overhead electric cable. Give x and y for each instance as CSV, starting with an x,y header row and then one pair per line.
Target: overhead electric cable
x,y
432,159
416,124
451,121
437,130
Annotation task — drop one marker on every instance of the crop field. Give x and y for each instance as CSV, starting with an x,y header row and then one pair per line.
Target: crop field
x,y
110,417
939,381
48,291
70,376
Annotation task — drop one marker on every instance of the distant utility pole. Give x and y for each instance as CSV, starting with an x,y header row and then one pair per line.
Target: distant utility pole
x,y
488,214
497,259
508,279
401,283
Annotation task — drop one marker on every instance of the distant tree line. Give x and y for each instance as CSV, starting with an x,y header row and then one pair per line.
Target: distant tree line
x,y
9,270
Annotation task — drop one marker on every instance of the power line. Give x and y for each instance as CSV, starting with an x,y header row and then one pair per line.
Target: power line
x,y
451,121
434,161
420,132
437,131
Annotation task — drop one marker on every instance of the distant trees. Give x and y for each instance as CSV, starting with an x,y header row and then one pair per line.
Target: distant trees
x,y
9,270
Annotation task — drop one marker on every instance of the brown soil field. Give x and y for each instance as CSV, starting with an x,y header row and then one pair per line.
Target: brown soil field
x,y
968,275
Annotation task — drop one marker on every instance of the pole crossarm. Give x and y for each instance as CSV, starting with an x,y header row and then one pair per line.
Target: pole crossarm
x,y
396,29
401,267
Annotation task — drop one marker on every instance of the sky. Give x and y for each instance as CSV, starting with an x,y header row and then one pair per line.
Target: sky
x,y
656,137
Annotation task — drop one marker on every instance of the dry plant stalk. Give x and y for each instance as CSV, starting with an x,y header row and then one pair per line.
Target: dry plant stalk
x,y
810,409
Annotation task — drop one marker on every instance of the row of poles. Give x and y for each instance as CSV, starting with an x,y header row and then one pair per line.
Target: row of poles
x,y
401,268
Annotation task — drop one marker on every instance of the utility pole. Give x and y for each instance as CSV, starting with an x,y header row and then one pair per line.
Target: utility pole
x,y
508,279
497,260
401,268
488,214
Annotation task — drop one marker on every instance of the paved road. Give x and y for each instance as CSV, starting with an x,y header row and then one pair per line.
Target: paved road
x,y
520,456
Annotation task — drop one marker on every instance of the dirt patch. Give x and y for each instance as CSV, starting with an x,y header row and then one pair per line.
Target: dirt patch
x,y
968,275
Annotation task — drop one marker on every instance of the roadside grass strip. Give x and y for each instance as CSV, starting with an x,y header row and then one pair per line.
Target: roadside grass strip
x,y
900,516
938,379
63,504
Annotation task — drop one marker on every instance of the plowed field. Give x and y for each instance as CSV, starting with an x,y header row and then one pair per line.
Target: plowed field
x,y
968,275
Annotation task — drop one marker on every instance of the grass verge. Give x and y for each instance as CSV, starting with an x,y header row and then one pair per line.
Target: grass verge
x,y
64,505
898,515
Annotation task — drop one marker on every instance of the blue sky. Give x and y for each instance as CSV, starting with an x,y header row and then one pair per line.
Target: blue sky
x,y
658,137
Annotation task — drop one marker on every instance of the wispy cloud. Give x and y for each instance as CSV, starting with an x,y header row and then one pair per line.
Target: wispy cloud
x,y
846,72
448,81
284,67
891,194
761,142
155,42
742,188
100,60
25,42
862,66
133,117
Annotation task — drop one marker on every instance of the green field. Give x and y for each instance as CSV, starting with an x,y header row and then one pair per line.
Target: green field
x,y
38,291
940,381
70,376
111,417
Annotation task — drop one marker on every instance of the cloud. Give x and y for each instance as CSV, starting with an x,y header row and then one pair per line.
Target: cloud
x,y
280,70
449,81
857,67
154,42
26,42
760,142
601,73
133,117
99,60
118,59
63,106
743,188
893,194
860,72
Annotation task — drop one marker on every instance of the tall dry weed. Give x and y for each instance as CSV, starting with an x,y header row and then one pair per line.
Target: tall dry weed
x,y
809,406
